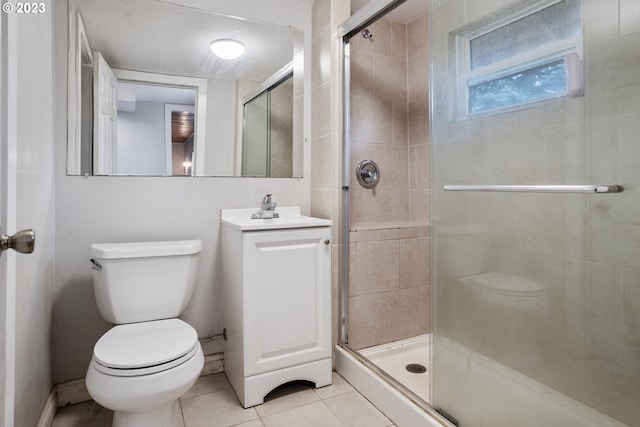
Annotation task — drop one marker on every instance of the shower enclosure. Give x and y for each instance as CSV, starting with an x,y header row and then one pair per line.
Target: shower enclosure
x,y
532,299
388,225
267,128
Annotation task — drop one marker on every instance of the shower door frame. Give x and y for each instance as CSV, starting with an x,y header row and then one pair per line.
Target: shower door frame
x,y
368,14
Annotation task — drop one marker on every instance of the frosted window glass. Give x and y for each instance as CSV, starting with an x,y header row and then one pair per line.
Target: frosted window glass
x,y
534,84
558,22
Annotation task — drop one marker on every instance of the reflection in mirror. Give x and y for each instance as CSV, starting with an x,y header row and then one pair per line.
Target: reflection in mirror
x,y
268,129
149,113
141,75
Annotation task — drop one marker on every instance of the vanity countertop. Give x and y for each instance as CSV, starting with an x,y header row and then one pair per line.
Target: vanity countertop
x,y
290,217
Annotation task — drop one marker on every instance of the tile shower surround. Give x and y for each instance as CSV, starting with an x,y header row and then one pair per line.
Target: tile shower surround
x,y
389,238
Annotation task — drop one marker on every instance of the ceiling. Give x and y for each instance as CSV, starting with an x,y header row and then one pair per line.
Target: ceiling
x,y
166,38
406,12
181,126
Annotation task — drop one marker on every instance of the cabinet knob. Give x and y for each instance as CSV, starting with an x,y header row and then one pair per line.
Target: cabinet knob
x,y
327,241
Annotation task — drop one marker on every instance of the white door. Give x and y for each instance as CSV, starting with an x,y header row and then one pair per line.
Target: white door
x,y
14,181
105,117
7,214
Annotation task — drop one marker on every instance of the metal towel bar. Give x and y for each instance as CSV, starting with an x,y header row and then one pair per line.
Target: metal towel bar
x,y
538,188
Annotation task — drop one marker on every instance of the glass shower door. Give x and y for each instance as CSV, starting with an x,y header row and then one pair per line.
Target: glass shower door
x,y
256,136
536,288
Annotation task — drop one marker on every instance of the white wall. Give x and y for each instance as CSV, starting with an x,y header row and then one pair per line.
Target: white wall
x,y
221,126
141,146
110,209
35,209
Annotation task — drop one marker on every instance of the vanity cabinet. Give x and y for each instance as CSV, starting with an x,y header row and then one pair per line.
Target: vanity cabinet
x,y
277,305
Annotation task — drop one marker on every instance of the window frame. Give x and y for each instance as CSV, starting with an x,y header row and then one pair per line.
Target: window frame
x,y
570,49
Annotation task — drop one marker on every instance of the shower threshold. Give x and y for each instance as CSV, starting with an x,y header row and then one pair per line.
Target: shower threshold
x,y
396,401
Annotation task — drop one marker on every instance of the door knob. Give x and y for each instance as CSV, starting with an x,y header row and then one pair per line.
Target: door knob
x,y
23,241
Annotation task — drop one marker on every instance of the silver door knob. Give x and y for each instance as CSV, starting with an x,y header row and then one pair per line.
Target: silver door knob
x,y
23,241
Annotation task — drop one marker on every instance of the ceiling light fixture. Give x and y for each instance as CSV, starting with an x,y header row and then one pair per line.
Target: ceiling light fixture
x,y
227,48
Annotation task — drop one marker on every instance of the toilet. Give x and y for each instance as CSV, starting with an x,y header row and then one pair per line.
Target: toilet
x,y
150,358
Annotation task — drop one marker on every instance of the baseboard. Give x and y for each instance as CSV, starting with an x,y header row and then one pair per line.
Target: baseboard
x,y
213,364
73,392
49,410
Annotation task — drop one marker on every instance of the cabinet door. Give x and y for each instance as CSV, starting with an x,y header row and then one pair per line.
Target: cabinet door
x,y
287,298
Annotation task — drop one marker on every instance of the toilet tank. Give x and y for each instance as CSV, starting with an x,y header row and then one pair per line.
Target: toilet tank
x,y
136,282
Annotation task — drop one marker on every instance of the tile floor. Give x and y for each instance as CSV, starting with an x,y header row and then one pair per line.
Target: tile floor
x,y
211,402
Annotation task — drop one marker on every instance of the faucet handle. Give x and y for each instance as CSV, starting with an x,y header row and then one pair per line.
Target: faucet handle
x,y
267,199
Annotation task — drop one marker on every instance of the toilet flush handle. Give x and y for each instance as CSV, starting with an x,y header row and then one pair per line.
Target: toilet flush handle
x,y
96,265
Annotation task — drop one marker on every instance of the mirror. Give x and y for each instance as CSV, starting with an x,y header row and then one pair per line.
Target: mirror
x,y
147,96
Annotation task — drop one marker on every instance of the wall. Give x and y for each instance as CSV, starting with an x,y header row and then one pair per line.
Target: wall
x,y
221,116
178,157
389,233
35,209
109,209
142,149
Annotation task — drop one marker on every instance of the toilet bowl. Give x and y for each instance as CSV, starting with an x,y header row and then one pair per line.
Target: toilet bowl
x,y
150,358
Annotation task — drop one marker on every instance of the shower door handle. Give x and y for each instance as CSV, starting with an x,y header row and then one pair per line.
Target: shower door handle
x,y
538,188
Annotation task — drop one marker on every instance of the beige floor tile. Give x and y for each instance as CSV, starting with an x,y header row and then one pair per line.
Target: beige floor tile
x,y
211,402
219,409
208,384
356,411
287,397
338,386
252,423
82,414
315,414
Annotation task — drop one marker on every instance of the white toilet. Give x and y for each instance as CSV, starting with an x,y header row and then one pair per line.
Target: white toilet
x,y
141,366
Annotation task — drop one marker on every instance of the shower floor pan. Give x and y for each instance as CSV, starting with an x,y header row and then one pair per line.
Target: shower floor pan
x,y
399,358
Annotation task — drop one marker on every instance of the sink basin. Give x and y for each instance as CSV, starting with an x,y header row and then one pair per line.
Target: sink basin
x,y
290,217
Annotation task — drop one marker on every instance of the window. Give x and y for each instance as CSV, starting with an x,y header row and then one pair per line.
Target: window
x,y
521,57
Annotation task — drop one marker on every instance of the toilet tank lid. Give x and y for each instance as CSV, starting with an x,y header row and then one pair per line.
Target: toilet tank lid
x,y
145,249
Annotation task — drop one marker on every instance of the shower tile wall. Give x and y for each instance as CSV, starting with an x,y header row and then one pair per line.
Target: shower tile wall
x,y
389,266
389,285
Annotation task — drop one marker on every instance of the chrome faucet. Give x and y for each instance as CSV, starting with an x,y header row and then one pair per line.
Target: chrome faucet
x,y
267,209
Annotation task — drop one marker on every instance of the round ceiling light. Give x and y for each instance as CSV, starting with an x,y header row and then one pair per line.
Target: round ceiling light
x,y
227,48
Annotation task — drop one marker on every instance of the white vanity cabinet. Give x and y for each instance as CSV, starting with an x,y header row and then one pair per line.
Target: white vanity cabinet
x,y
276,301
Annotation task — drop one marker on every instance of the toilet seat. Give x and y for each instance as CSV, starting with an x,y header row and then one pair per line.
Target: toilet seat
x,y
145,348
